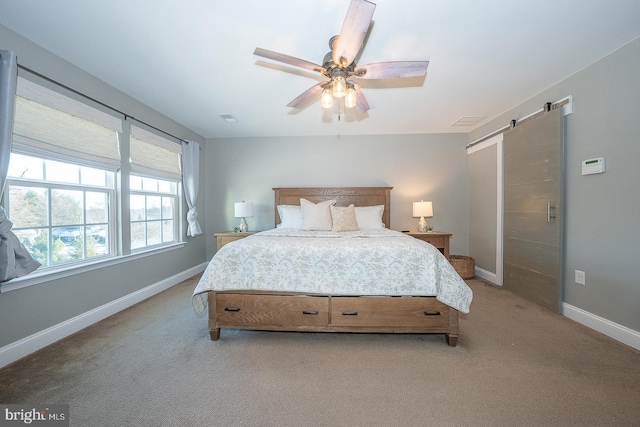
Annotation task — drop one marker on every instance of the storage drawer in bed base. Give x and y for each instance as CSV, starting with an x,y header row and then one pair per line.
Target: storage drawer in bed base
x,y
328,313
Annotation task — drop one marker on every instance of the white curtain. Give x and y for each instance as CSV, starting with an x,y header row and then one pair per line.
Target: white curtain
x,y
190,181
15,261
8,83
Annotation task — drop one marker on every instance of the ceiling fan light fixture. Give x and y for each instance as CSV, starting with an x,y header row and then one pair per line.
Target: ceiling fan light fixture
x,y
339,86
327,97
350,97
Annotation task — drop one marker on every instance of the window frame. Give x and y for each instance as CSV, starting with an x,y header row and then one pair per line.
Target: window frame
x,y
50,186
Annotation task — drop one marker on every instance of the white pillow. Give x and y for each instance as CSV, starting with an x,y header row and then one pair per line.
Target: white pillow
x,y
369,217
316,216
290,216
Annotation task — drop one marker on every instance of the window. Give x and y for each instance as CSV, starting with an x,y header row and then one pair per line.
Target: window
x,y
61,212
155,173
153,212
62,186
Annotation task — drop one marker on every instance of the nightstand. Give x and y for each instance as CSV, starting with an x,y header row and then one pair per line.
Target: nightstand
x,y
230,236
439,239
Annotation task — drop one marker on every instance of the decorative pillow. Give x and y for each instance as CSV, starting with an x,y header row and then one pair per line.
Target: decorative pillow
x,y
369,217
290,216
344,219
316,216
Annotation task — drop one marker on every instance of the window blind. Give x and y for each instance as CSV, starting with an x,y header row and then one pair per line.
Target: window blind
x,y
51,125
154,156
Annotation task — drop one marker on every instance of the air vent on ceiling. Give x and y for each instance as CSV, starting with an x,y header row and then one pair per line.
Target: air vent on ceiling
x,y
468,121
228,118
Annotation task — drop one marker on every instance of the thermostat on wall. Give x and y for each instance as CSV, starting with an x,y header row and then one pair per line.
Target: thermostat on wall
x,y
592,166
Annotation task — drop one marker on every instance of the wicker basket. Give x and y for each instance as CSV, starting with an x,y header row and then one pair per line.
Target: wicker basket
x,y
465,266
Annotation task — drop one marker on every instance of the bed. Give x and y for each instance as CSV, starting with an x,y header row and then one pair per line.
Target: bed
x,y
362,278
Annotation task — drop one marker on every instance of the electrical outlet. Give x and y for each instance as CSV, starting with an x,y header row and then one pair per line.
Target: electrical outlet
x,y
580,279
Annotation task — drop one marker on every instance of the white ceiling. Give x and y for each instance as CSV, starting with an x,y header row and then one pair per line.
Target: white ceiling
x,y
193,61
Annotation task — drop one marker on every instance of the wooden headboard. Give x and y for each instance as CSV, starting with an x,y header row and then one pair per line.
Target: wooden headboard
x,y
359,196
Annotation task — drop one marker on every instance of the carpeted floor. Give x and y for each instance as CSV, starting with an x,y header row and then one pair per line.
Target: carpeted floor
x,y
516,364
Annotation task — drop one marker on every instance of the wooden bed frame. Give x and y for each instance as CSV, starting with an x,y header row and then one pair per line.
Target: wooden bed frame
x,y
292,311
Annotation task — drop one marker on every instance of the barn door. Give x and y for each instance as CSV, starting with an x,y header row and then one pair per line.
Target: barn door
x,y
533,209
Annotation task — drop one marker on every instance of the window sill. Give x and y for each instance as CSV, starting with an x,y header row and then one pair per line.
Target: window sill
x,y
38,277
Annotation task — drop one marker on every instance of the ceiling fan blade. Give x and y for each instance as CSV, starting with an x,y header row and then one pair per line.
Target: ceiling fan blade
x,y
310,95
362,106
281,57
354,29
390,70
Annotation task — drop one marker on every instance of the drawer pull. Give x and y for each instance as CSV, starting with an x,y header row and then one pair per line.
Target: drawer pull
x,y
313,313
231,309
349,313
431,313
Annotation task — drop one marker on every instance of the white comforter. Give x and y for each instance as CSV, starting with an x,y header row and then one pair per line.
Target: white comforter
x,y
366,262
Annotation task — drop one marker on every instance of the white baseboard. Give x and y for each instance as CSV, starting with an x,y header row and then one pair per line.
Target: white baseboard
x,y
617,332
21,348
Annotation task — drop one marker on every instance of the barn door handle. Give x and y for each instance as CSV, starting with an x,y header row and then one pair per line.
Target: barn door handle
x,y
431,313
313,313
549,208
235,310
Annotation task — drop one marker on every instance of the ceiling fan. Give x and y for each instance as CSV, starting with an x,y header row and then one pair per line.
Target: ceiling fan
x,y
339,64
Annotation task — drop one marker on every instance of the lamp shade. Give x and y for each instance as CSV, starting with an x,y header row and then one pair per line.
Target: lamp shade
x,y
327,97
351,96
339,86
243,209
422,208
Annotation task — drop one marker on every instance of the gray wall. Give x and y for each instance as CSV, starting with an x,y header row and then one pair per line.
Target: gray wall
x,y
429,167
26,311
602,211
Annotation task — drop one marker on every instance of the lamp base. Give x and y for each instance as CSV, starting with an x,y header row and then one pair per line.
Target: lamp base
x,y
244,227
423,227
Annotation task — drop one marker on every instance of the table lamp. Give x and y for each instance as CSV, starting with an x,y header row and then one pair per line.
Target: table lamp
x,y
423,209
243,210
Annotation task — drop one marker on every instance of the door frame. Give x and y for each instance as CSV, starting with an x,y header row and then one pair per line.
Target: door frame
x,y
497,140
